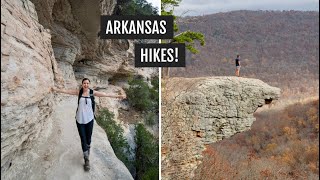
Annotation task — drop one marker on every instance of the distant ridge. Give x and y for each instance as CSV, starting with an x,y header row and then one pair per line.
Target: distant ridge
x,y
278,47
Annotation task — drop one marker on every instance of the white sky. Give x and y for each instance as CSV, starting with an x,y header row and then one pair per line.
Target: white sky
x,y
155,3
201,7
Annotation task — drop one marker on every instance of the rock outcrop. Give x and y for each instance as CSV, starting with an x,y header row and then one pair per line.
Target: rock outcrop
x,y
28,70
78,49
53,43
200,111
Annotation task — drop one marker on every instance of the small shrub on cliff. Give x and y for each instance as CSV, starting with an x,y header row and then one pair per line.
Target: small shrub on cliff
x,y
114,132
154,92
141,96
134,7
147,154
150,119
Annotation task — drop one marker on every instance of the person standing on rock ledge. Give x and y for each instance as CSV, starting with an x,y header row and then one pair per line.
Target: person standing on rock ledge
x,y
238,65
85,114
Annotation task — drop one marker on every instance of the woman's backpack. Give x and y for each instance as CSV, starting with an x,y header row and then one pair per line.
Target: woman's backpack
x,y
91,97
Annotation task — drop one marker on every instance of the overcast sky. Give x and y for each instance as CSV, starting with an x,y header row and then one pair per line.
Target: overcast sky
x,y
155,3
201,7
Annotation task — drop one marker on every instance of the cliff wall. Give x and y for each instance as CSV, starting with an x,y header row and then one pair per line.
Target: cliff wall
x,y
200,111
56,43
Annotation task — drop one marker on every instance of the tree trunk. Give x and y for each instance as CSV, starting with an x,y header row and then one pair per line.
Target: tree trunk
x,y
165,72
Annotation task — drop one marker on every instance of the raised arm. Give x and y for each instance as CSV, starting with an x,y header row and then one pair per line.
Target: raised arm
x,y
103,94
65,91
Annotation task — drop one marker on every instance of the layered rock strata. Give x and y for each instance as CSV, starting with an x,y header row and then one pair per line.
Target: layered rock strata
x,y
28,69
200,111
46,43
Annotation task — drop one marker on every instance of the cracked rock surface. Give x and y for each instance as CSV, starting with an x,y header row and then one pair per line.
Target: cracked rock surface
x,y
47,43
200,111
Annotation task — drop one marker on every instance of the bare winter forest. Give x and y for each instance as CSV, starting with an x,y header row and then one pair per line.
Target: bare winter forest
x,y
282,49
278,47
282,144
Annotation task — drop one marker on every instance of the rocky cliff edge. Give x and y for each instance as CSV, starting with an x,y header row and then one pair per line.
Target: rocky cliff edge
x,y
55,43
200,111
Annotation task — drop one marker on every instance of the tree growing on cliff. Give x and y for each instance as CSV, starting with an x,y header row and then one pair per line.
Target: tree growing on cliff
x,y
141,96
147,154
187,37
134,7
114,131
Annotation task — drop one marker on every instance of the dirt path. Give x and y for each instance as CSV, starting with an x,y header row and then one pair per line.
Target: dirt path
x,y
62,154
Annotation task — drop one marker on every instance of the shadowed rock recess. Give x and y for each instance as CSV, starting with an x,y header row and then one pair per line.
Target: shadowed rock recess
x,y
46,43
200,111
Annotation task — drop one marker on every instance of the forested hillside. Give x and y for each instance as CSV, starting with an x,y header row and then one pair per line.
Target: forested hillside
x,y
278,47
282,49
281,145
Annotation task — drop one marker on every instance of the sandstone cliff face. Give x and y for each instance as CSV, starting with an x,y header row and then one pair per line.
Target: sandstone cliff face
x,y
79,51
48,43
199,111
28,70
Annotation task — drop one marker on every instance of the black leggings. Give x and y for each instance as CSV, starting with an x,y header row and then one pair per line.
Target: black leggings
x,y
85,133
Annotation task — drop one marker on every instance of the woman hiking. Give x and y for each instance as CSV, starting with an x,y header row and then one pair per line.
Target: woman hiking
x,y
238,66
85,114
